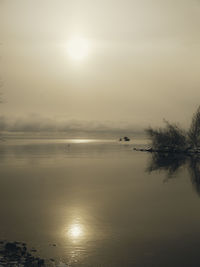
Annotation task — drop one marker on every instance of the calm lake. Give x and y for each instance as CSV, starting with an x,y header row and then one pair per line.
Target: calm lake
x,y
99,203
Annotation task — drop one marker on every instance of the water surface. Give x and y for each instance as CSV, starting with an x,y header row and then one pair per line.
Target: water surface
x,y
99,203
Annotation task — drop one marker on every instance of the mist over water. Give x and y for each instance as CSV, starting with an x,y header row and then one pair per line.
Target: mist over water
x,y
75,78
94,203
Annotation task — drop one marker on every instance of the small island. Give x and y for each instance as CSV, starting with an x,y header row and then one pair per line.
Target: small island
x,y
125,138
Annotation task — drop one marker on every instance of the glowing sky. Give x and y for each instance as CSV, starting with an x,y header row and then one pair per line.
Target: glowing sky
x,y
142,64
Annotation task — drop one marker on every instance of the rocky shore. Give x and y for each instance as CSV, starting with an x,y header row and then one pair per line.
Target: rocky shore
x,y
16,254
168,150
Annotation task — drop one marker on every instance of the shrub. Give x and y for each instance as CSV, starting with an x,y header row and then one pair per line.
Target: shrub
x,y
194,131
169,137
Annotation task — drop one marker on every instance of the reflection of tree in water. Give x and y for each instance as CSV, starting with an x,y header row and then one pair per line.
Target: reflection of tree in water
x,y
194,169
171,163
166,161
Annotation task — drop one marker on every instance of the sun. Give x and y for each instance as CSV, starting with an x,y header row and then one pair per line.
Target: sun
x,y
78,48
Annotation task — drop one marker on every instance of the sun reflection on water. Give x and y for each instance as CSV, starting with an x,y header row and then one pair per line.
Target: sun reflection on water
x,y
75,231
80,141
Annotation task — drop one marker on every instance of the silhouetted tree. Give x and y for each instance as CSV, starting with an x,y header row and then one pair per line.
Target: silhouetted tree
x,y
170,137
173,137
194,131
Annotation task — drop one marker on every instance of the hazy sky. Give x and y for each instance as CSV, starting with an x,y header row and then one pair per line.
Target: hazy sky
x,y
142,64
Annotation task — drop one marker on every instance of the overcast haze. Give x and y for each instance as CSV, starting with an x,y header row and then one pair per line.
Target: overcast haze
x,y
142,63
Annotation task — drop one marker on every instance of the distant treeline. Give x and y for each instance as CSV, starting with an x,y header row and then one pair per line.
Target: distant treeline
x,y
173,138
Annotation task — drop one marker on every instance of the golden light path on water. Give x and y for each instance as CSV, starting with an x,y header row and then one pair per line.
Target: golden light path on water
x,y
85,141
76,228
78,141
75,231
75,234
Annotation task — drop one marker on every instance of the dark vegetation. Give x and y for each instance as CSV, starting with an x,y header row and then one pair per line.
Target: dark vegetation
x,y
172,138
194,131
175,148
